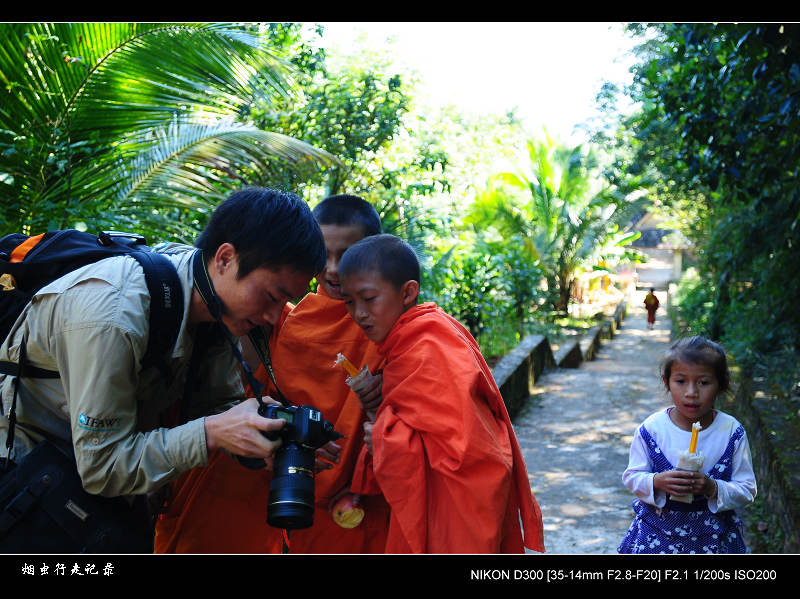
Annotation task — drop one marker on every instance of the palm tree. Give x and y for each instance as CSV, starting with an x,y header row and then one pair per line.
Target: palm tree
x,y
566,217
134,123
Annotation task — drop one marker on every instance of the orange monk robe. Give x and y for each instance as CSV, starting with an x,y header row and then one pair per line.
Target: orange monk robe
x,y
221,507
303,358
303,355
445,454
651,304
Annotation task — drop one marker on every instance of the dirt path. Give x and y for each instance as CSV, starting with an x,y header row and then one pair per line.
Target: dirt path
x,y
577,430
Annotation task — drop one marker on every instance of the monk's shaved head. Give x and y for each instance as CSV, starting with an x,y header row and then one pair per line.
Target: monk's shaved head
x,y
387,255
348,210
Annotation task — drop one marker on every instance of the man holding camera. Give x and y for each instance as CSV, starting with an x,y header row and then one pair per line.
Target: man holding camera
x,y
132,430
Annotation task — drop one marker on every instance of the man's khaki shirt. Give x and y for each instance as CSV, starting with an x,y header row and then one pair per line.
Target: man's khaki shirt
x,y
92,326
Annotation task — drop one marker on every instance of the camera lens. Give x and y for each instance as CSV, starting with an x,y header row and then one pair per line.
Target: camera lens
x,y
291,493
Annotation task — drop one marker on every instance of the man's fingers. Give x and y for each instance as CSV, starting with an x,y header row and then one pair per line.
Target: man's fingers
x,y
239,431
269,400
270,424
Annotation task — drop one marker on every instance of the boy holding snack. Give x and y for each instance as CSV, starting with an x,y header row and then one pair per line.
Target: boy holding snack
x,y
444,453
222,508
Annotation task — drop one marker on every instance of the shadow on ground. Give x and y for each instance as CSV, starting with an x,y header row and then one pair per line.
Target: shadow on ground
x,y
576,431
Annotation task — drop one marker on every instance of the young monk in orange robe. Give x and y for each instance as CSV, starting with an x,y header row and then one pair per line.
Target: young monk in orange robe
x,y
651,304
443,450
222,508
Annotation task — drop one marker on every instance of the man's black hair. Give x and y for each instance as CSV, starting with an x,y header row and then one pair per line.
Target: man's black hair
x,y
269,228
345,210
391,257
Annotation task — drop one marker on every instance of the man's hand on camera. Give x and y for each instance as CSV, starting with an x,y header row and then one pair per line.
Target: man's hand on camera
x,y
238,431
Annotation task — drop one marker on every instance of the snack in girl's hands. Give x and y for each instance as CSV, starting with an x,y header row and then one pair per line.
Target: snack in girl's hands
x,y
690,460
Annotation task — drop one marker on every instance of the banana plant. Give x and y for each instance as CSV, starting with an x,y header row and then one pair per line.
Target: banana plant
x,y
564,215
136,123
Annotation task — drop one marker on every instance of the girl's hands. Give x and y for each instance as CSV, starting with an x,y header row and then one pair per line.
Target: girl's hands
x,y
681,482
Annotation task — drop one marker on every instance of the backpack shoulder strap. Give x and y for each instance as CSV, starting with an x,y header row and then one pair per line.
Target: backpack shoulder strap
x,y
166,307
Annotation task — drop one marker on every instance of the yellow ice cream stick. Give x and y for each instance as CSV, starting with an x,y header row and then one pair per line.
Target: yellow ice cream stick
x,y
693,441
346,364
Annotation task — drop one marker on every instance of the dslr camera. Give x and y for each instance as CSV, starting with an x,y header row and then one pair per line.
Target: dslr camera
x,y
291,493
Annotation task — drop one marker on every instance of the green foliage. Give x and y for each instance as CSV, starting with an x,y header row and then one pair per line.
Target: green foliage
x,y
352,113
490,285
133,124
567,217
466,280
764,530
148,126
351,110
519,284
692,305
357,109
720,124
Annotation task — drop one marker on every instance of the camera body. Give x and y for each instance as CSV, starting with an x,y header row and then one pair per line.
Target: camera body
x,y
304,425
291,493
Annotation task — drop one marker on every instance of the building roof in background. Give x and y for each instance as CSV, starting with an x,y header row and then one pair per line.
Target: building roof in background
x,y
655,234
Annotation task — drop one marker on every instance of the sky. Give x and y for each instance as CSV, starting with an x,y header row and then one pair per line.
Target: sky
x,y
551,72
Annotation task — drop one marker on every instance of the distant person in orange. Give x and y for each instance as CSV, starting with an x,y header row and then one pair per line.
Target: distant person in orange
x,y
651,304
222,508
442,448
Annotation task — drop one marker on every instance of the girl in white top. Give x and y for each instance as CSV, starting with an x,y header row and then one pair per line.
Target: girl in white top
x,y
695,372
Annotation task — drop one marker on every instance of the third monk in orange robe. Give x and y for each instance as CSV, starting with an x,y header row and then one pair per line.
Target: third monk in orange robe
x,y
445,455
222,508
444,452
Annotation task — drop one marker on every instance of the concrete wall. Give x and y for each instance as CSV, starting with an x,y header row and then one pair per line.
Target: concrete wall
x,y
516,373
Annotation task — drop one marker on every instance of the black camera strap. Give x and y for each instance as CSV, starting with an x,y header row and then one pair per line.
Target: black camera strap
x,y
205,287
258,338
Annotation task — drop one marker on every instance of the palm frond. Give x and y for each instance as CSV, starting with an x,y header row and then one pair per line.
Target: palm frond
x,y
179,161
80,97
220,70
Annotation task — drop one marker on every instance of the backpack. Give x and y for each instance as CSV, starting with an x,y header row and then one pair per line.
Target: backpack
x,y
29,263
43,506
